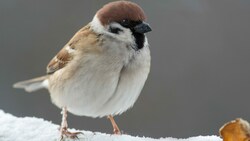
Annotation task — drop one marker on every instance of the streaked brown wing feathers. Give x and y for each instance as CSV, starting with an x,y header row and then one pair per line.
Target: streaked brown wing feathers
x,y
66,54
59,61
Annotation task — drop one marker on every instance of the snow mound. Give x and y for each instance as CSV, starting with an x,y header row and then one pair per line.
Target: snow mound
x,y
35,129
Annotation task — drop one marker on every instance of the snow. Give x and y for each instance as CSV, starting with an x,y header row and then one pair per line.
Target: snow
x,y
36,129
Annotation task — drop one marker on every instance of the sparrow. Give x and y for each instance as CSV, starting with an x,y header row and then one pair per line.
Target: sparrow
x,y
101,71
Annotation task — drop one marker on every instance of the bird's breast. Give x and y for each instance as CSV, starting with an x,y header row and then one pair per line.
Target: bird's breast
x,y
100,84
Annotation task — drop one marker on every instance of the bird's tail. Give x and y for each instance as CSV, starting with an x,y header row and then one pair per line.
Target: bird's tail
x,y
33,84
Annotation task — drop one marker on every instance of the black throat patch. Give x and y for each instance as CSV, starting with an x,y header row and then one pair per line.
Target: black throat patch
x,y
139,39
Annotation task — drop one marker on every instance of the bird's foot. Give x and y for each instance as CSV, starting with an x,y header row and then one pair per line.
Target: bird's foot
x,y
117,131
67,134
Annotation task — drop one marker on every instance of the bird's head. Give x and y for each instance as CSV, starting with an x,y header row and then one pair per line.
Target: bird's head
x,y
123,21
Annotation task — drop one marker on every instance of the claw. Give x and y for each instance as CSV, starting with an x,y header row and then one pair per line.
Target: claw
x,y
64,127
72,135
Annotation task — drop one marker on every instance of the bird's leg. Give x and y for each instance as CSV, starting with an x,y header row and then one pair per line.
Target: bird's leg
x,y
115,127
64,126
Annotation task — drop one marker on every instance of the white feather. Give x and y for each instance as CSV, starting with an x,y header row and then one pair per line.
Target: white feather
x,y
106,84
69,49
96,25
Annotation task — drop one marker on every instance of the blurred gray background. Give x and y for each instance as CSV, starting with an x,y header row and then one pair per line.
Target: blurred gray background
x,y
200,75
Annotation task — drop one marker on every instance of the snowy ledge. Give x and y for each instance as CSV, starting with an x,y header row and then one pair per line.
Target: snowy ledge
x,y
36,129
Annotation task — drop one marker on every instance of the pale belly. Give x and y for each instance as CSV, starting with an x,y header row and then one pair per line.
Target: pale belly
x,y
96,92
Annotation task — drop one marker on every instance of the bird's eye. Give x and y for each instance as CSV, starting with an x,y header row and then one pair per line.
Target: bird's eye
x,y
115,30
125,23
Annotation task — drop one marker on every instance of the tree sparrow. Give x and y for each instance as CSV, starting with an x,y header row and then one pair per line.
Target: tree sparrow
x,y
102,69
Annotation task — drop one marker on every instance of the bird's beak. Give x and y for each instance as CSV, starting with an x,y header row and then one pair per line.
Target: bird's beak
x,y
142,28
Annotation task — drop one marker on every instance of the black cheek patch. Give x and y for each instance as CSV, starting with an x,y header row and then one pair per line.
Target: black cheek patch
x,y
115,30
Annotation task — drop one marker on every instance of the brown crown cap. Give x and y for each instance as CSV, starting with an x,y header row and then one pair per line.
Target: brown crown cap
x,y
120,10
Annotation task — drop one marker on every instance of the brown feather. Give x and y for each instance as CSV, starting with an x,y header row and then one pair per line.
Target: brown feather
x,y
120,10
84,39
